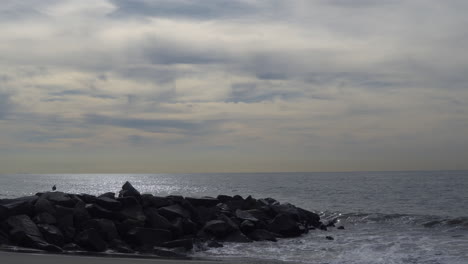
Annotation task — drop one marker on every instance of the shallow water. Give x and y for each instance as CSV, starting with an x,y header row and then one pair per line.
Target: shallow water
x,y
390,217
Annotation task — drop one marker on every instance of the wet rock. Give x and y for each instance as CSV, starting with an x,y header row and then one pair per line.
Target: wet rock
x,y
187,244
148,236
263,235
24,232
87,198
174,211
207,214
149,200
91,239
203,201
45,218
217,228
52,234
341,227
132,210
284,225
127,225
214,244
80,214
237,237
189,227
224,198
286,209
167,253
129,190
245,215
65,222
3,213
121,247
109,203
71,247
312,219
175,198
105,227
329,238
247,226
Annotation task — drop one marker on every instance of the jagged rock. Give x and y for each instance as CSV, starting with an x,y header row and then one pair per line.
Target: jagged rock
x,y
247,226
284,225
87,198
105,227
45,218
259,214
65,222
20,206
224,198
71,247
286,209
187,244
4,238
59,198
268,201
177,228
148,236
149,200
245,215
109,203
175,198
189,227
44,206
24,232
232,224
90,239
80,214
174,211
262,235
312,219
207,214
97,211
129,190
127,225
121,247
3,213
217,228
203,201
52,234
237,237
107,195
155,220
132,209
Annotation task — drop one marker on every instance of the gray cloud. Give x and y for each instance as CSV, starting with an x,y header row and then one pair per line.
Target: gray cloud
x,y
6,105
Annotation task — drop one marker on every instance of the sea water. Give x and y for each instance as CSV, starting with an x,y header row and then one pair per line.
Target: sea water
x,y
389,217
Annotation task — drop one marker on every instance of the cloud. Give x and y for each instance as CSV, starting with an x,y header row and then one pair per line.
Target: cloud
x,y
6,105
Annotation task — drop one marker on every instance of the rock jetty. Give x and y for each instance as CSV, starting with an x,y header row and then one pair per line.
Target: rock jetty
x,y
137,223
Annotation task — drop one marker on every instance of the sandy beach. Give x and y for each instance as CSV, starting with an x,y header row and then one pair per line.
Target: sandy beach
x,y
22,258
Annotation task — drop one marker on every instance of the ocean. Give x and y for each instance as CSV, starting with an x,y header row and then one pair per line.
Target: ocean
x,y
389,217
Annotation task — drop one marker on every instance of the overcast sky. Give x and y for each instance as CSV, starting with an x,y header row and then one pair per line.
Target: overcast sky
x,y
233,85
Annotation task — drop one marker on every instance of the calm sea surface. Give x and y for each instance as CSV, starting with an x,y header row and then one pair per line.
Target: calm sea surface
x,y
390,217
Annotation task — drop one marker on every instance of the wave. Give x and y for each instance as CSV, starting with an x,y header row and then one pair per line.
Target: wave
x,y
426,221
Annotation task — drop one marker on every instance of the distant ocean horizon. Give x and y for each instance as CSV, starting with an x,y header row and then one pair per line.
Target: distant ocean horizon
x,y
389,216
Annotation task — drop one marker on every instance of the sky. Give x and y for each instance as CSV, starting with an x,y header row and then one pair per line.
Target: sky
x,y
155,86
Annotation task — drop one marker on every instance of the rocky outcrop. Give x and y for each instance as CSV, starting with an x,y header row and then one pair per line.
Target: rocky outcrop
x,y
134,222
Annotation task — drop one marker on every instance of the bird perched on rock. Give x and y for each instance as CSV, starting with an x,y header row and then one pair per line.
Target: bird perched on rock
x,y
54,188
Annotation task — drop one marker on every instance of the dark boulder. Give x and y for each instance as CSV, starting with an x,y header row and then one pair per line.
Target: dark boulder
x,y
4,238
52,234
237,237
59,198
149,200
155,220
286,209
121,247
65,222
91,239
214,244
268,201
80,214
207,214
217,228
329,238
129,190
20,206
107,195
24,232
97,211
247,226
126,225
44,206
45,218
203,201
132,210
71,247
105,227
263,235
174,211
3,213
341,227
175,198
168,253
245,215
187,244
284,225
310,218
109,203
148,237
224,198
87,198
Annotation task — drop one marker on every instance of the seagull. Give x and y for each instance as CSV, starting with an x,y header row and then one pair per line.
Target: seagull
x,y
54,188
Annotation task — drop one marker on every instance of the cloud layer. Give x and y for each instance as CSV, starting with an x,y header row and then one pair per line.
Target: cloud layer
x,y
238,85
